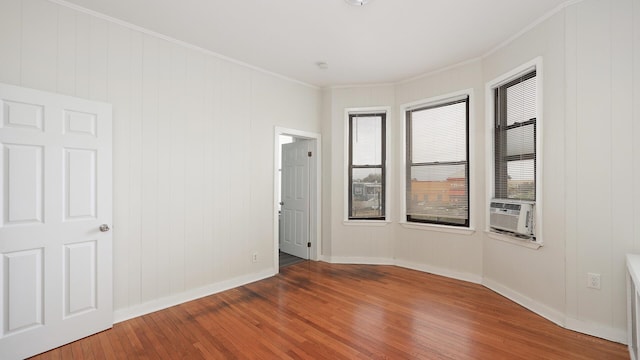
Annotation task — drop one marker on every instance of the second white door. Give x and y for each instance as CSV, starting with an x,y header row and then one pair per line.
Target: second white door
x,y
295,199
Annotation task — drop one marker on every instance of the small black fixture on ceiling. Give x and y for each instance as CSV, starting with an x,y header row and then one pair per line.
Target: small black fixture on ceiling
x,y
357,2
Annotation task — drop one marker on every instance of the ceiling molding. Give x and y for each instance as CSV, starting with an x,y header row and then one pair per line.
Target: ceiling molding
x,y
529,27
187,45
170,39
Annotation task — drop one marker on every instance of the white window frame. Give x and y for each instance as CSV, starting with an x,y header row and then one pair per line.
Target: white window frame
x,y
491,86
387,180
471,160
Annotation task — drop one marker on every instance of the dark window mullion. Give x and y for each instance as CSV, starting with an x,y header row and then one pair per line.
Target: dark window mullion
x,y
501,159
528,156
409,139
436,163
352,167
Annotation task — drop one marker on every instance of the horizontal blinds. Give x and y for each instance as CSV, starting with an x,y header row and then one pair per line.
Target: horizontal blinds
x,y
437,158
515,158
366,166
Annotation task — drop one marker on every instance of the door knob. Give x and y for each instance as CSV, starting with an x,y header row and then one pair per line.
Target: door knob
x,y
281,203
104,228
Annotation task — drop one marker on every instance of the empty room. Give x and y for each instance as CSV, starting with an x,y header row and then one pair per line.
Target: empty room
x,y
320,179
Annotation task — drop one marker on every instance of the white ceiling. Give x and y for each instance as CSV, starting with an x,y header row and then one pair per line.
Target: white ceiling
x,y
384,41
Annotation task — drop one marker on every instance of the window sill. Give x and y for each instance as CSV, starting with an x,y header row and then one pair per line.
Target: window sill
x,y
366,222
513,240
440,228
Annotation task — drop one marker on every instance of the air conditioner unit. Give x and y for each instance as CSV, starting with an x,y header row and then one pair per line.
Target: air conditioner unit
x,y
512,216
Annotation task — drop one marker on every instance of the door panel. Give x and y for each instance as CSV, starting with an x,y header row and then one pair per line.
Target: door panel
x,y
80,183
80,284
23,174
295,198
23,284
55,273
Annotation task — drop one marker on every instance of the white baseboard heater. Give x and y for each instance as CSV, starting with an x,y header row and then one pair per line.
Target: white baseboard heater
x,y
633,304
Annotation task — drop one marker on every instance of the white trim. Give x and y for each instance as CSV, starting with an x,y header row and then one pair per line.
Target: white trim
x,y
363,85
363,260
532,25
175,41
315,191
439,71
514,240
548,313
463,276
490,86
471,160
166,302
503,44
436,227
358,260
366,222
598,330
387,179
557,317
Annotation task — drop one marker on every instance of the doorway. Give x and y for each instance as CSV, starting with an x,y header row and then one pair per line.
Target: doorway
x,y
297,219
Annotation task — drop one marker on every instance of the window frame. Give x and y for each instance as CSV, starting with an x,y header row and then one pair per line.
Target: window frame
x,y
500,138
362,112
536,65
469,228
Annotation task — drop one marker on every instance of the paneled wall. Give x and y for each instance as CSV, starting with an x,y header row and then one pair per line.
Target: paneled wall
x,y
536,278
350,242
193,144
603,156
427,248
590,163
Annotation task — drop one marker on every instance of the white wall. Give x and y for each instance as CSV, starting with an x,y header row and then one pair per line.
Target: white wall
x,y
591,168
185,119
603,156
441,252
536,277
349,242
193,145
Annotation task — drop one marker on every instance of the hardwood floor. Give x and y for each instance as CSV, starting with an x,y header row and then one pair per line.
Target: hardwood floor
x,y
315,310
287,259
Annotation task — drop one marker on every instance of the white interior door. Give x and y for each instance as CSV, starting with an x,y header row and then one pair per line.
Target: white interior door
x,y
56,263
295,199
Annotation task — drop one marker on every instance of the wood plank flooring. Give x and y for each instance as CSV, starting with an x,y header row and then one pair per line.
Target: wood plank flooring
x,y
315,310
287,259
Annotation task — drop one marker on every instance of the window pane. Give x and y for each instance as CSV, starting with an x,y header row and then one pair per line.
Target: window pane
x,y
438,193
366,193
521,180
439,134
515,143
521,140
366,140
521,101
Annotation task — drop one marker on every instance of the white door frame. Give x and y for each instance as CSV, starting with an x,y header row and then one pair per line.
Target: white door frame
x,y
315,183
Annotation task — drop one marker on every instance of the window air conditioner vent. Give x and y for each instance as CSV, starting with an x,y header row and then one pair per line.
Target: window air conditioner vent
x,y
512,216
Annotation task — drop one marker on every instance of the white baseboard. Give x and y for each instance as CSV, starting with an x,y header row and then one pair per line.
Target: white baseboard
x,y
473,278
597,330
359,260
557,317
550,314
163,303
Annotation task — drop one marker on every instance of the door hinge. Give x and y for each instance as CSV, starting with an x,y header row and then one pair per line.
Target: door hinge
x,y
309,244
309,154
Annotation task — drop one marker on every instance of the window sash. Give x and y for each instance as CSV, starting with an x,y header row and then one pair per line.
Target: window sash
x,y
378,198
449,214
504,155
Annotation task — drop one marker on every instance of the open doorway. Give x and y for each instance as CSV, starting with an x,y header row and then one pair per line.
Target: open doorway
x,y
296,195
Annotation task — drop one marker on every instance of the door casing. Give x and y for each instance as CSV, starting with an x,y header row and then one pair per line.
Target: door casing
x,y
315,185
